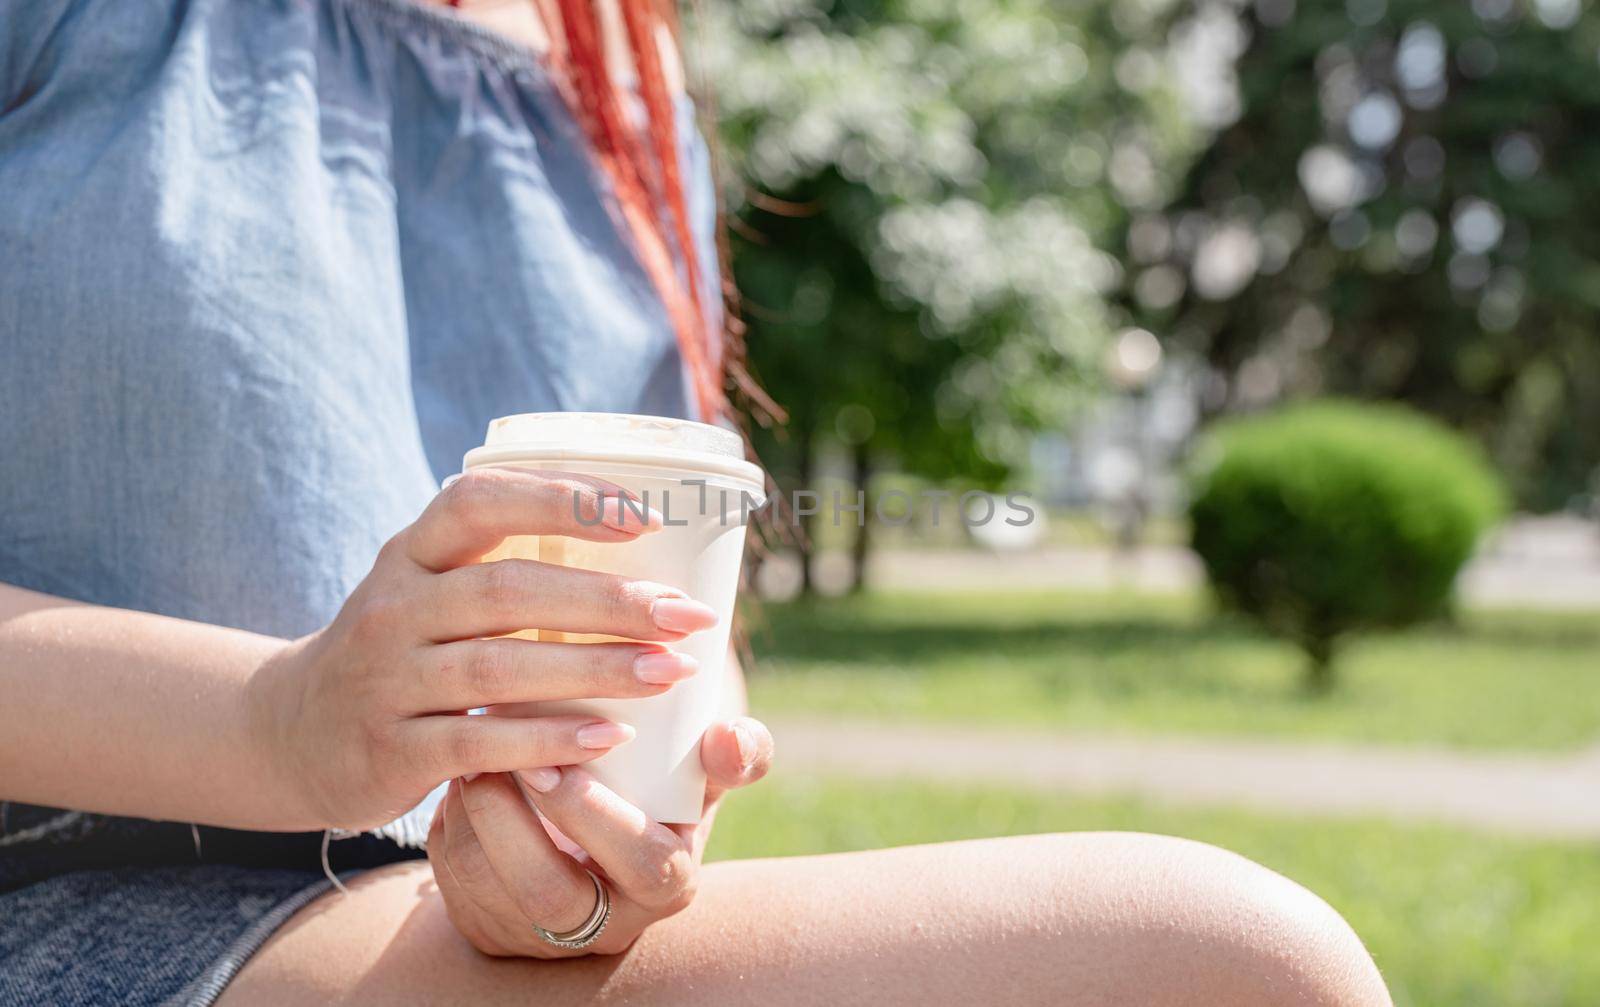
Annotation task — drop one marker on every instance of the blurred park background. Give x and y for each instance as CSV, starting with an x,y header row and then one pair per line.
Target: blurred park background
x,y
1283,312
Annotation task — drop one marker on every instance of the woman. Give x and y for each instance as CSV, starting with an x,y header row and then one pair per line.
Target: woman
x,y
270,266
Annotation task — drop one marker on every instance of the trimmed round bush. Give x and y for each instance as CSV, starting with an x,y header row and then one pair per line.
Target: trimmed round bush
x,y
1333,517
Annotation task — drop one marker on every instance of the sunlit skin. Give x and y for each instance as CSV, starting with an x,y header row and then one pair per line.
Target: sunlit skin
x,y
129,713
518,20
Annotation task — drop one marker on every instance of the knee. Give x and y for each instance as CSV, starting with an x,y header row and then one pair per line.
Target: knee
x,y
1280,942
1209,926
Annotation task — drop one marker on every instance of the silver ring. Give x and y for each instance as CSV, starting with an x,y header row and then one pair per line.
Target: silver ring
x,y
590,930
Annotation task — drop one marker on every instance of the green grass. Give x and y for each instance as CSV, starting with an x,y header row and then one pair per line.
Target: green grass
x,y
1453,919
1163,664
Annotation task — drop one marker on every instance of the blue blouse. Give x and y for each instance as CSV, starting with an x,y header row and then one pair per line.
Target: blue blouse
x,y
267,270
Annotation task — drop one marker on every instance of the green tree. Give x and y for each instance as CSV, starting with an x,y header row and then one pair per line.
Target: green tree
x,y
1406,206
1332,518
927,181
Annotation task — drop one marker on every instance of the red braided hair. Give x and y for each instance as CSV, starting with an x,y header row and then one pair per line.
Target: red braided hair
x,y
641,163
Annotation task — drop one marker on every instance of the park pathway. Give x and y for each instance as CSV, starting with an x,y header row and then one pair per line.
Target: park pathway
x,y
1547,796
1532,562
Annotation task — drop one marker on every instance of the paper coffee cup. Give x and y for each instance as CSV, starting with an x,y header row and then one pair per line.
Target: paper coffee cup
x,y
697,477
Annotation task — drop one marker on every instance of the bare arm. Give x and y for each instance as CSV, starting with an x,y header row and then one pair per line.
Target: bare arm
x,y
130,713
121,712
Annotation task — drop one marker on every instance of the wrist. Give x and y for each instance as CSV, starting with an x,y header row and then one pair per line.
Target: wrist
x,y
276,705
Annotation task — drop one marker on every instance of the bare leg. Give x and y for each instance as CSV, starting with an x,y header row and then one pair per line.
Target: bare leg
x,y
1078,919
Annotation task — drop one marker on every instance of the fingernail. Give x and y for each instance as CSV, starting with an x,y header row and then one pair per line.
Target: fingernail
x,y
604,734
542,780
664,667
682,615
745,739
469,777
621,514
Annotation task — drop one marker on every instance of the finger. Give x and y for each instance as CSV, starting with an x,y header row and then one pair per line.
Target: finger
x,y
694,835
444,746
546,886
471,889
476,673
508,595
487,505
647,863
735,753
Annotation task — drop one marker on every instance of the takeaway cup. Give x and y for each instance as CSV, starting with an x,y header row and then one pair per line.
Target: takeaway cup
x,y
697,477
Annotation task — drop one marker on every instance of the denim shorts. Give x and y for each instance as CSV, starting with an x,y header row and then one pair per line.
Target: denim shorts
x,y
267,270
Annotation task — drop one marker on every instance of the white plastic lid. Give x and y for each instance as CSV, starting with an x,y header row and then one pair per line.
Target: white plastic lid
x,y
657,441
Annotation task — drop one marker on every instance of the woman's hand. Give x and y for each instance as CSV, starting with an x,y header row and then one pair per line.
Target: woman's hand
x,y
366,713
504,868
